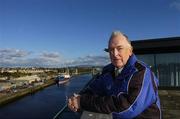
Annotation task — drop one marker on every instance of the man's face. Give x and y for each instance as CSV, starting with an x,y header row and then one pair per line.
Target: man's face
x,y
119,51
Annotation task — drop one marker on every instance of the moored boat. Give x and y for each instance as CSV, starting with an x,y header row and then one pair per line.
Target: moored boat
x,y
63,78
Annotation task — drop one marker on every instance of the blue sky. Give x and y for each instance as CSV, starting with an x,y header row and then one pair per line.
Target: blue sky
x,y
74,32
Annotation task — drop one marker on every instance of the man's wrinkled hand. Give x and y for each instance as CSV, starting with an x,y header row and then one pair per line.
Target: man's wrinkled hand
x,y
74,102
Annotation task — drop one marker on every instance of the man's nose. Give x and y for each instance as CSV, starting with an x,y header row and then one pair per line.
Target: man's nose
x,y
115,53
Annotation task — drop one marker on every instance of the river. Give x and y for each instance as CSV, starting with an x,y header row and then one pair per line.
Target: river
x,y
43,104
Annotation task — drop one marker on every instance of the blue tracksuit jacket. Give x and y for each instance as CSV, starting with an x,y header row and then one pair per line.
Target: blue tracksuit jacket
x,y
131,94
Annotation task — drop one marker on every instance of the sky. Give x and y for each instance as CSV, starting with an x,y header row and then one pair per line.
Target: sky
x,y
58,33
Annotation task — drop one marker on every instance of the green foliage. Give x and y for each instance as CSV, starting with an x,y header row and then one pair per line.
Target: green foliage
x,y
84,70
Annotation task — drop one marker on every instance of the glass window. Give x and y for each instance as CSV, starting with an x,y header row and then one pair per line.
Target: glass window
x,y
168,67
148,59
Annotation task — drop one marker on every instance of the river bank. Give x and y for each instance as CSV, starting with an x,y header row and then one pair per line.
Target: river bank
x,y
13,96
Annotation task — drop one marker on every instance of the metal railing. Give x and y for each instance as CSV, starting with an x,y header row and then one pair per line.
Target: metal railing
x,y
65,106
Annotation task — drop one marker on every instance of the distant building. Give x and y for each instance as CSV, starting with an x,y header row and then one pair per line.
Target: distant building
x,y
163,56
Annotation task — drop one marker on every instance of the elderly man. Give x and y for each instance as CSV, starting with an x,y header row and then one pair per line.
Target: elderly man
x,y
126,89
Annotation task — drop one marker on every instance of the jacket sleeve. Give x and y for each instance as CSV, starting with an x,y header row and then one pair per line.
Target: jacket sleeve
x,y
95,87
125,105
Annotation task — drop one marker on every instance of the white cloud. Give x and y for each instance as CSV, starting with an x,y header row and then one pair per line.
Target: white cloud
x,y
22,58
12,53
176,4
51,55
16,57
89,60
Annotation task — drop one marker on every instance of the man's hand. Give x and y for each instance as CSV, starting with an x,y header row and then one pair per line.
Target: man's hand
x,y
74,102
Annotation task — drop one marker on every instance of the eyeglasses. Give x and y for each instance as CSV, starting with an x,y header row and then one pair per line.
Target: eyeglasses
x,y
119,49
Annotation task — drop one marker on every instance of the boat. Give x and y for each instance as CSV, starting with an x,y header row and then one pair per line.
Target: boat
x,y
63,78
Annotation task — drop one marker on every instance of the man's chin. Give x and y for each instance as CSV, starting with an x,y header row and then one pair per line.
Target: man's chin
x,y
118,65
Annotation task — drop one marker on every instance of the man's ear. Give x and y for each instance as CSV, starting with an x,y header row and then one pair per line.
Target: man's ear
x,y
130,52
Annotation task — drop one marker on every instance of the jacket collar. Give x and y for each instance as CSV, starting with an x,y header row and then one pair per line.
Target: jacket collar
x,y
128,68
